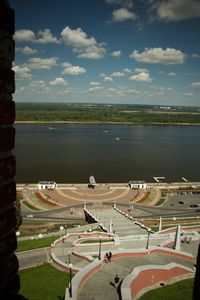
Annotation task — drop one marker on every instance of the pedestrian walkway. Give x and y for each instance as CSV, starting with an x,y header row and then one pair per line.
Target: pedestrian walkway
x,y
121,225
99,285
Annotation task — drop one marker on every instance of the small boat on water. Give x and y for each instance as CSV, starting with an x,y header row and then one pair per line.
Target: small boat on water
x,y
92,181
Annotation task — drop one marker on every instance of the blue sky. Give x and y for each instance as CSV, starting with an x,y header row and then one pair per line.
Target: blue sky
x,y
108,51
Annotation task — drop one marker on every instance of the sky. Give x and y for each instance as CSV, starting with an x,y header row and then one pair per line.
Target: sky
x,y
108,51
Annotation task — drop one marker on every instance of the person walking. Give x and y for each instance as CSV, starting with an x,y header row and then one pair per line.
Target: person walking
x,y
116,280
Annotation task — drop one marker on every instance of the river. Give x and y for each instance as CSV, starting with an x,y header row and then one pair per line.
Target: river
x,y
70,153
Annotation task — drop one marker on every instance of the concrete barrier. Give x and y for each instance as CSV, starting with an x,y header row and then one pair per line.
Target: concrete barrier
x,y
144,278
62,265
79,279
82,276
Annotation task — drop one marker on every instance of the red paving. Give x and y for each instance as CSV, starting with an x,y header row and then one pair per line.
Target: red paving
x,y
83,194
152,276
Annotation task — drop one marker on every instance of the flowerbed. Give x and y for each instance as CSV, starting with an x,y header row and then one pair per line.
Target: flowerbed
x,y
44,200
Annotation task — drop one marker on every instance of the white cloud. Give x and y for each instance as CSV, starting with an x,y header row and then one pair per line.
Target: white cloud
x,y
27,50
59,81
94,89
107,78
126,3
112,89
116,53
127,70
188,94
42,63
38,87
160,88
117,74
22,72
195,55
92,52
46,37
42,37
24,35
143,76
115,92
123,14
69,69
168,56
139,70
95,83
82,45
171,74
176,10
195,85
133,91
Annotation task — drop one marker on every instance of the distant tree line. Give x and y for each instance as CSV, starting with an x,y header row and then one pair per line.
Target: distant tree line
x,y
103,113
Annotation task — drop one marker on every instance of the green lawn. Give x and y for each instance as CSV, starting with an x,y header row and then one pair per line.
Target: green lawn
x,y
95,241
34,244
43,282
46,282
181,290
161,201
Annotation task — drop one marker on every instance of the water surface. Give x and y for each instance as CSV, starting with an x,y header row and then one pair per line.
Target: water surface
x,y
112,153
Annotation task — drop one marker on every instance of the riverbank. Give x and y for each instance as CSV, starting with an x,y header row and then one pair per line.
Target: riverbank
x,y
104,123
106,114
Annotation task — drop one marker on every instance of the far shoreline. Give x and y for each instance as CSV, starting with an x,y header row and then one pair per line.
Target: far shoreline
x,y
104,123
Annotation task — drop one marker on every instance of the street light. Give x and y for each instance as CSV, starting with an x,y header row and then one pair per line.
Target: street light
x,y
65,229
69,258
148,235
61,229
99,247
70,280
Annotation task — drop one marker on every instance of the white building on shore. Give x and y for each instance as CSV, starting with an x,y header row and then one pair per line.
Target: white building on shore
x,y
50,185
137,184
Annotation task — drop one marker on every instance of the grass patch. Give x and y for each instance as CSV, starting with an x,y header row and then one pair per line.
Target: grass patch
x,y
181,290
161,201
43,282
156,228
150,198
29,205
95,241
34,244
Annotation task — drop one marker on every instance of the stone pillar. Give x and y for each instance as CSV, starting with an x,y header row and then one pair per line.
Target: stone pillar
x,y
160,224
9,280
177,241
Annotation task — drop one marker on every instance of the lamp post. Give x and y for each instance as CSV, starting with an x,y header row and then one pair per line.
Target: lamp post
x,y
61,229
148,235
99,247
70,280
69,257
65,229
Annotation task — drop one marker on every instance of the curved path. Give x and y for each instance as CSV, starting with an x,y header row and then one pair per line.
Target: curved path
x,y
103,278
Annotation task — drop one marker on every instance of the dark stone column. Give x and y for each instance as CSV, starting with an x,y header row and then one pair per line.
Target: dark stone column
x,y
9,280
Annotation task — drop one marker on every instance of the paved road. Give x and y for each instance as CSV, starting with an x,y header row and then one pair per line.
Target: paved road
x,y
151,211
33,258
